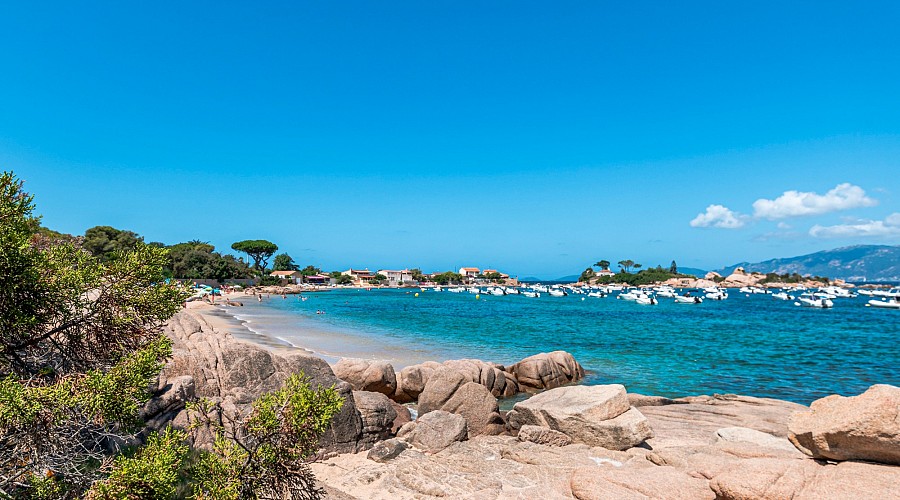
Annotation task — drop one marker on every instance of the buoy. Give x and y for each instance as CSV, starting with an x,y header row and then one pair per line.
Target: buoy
x,y
477,296
417,294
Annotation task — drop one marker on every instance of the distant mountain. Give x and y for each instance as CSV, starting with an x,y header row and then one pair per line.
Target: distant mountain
x,y
568,279
856,263
693,271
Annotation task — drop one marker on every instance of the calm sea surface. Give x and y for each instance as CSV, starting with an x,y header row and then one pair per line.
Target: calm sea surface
x,y
752,345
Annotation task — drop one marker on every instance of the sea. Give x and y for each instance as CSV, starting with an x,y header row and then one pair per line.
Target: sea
x,y
747,344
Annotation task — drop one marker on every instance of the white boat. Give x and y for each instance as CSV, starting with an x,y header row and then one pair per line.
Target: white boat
x,y
646,300
531,294
810,300
511,291
867,293
457,289
782,296
665,291
838,292
629,295
598,294
684,299
556,292
892,293
497,291
716,294
885,304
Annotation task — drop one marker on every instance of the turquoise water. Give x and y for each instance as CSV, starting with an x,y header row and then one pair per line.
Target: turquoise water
x,y
752,345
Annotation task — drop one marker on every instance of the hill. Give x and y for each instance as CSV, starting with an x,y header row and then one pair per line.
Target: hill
x,y
693,271
856,263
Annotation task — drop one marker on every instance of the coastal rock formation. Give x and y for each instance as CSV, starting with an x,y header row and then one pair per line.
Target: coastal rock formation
x,y
435,431
546,371
367,375
492,376
377,413
386,450
412,379
706,446
599,483
805,480
594,415
543,435
864,427
212,364
449,390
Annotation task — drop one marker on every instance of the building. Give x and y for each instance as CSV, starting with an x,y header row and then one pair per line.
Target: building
x,y
397,277
360,277
469,272
294,276
317,279
605,272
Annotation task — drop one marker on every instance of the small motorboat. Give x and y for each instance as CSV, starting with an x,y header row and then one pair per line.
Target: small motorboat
x,y
646,300
688,299
811,300
782,296
531,294
556,292
885,304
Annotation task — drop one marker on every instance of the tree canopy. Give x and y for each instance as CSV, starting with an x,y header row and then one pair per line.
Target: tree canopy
x,y
258,250
284,262
104,242
197,260
80,343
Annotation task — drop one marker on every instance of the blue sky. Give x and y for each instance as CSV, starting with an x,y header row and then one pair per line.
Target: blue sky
x,y
532,137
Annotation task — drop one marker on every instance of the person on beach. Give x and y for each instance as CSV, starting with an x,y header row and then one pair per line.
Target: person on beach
x,y
259,297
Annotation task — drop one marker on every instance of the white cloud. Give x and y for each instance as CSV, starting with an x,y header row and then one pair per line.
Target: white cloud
x,y
890,226
718,216
796,203
784,225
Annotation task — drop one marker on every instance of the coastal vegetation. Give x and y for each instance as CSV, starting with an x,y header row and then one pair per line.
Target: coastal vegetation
x,y
626,276
81,346
284,262
258,250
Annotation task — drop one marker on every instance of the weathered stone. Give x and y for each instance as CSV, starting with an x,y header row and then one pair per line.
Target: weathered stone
x,y
864,427
449,390
387,450
170,398
543,435
546,371
367,375
597,415
403,416
639,400
234,373
500,384
601,483
695,420
753,436
805,479
377,413
412,379
437,430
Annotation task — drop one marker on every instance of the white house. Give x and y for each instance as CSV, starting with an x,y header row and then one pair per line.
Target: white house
x,y
397,276
469,272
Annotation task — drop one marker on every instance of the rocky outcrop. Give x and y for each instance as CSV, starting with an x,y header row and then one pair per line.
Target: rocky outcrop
x,y
703,447
387,450
594,415
377,413
212,364
864,427
412,379
435,431
543,435
546,371
367,375
594,483
449,390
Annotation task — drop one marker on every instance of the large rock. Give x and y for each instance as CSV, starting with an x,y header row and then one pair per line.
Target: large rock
x,y
435,431
378,414
234,373
596,415
601,483
546,371
864,427
543,435
367,375
449,390
412,379
805,480
500,383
